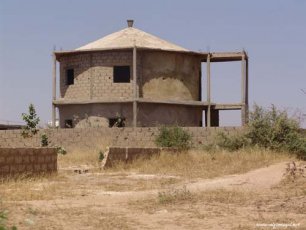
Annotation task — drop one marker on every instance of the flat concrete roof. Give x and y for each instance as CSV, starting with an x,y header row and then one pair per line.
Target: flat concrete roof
x,y
214,56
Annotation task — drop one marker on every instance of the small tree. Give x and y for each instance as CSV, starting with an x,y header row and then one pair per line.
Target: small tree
x,y
31,121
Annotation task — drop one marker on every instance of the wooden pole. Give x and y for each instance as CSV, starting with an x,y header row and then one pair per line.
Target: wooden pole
x,y
53,91
208,114
135,87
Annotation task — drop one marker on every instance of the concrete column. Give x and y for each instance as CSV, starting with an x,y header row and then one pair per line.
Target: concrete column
x,y
91,78
135,87
208,114
53,91
247,91
244,91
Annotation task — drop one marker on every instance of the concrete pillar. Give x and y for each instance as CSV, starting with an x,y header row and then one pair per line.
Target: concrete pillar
x,y
244,90
208,115
135,87
53,91
91,78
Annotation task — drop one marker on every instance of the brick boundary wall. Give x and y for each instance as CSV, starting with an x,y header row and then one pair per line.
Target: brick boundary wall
x,y
27,160
128,154
90,137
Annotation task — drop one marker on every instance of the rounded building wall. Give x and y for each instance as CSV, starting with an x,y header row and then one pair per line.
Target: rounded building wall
x,y
170,76
151,115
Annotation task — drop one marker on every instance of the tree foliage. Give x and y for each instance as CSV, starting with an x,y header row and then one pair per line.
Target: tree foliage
x,y
31,119
268,128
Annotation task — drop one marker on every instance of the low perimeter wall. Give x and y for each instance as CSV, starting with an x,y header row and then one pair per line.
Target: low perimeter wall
x,y
27,160
127,154
79,138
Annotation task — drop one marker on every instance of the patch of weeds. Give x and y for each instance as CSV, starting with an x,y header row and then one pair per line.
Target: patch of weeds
x,y
3,219
101,156
174,196
60,150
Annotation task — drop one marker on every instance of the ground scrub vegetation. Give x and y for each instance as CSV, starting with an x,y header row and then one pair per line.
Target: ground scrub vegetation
x,y
174,136
268,128
3,220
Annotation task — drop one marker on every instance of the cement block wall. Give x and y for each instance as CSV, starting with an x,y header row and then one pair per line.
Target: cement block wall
x,y
127,154
100,137
94,75
27,160
149,115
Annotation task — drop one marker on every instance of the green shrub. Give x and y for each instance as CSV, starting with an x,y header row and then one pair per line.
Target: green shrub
x,y
268,128
44,140
274,129
175,137
232,142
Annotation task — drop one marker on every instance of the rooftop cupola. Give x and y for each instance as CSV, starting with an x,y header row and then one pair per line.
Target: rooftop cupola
x,y
130,22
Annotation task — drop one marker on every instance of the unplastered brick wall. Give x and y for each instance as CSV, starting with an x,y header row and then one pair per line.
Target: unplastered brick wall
x,y
101,137
94,75
81,66
27,160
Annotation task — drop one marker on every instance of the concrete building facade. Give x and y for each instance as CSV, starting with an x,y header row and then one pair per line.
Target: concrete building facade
x,y
132,78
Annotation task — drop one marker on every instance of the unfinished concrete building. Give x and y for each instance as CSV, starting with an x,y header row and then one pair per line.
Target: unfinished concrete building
x,y
132,78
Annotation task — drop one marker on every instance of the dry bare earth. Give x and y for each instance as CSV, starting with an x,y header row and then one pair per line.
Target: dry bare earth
x,y
185,191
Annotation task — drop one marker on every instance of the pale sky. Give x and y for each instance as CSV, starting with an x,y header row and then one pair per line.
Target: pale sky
x,y
272,32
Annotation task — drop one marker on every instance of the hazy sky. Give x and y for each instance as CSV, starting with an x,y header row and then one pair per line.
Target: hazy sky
x,y
272,32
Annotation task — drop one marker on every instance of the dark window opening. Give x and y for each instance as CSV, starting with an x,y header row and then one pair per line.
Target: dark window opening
x,y
117,122
122,74
68,123
69,76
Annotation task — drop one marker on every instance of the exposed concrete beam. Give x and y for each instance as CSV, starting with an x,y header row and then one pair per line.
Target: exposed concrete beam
x,y
228,106
60,102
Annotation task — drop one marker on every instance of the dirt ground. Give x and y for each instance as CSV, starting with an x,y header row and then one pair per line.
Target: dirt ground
x,y
138,201
97,199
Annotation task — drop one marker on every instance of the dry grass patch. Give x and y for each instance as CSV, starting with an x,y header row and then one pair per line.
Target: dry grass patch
x,y
126,184
38,187
202,164
80,157
184,196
